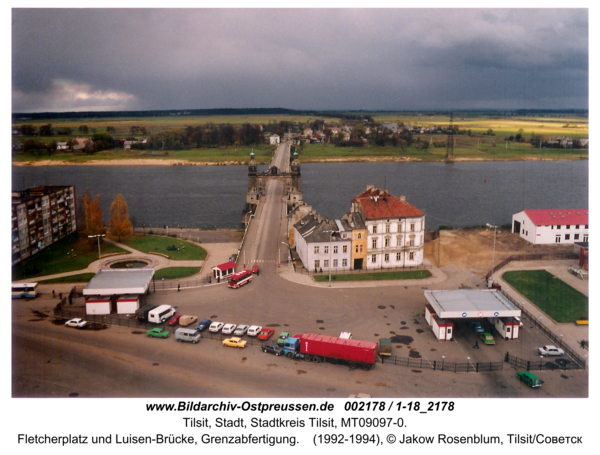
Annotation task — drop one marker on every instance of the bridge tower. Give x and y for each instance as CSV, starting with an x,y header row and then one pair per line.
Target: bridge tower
x,y
252,173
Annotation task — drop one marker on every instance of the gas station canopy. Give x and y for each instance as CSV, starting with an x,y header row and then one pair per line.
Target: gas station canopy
x,y
118,282
468,303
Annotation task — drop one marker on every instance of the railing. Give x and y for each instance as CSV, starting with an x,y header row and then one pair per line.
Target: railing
x,y
542,364
302,270
437,365
530,257
160,285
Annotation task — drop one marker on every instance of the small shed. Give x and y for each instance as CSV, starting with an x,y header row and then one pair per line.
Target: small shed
x,y
98,306
127,288
128,304
224,270
508,328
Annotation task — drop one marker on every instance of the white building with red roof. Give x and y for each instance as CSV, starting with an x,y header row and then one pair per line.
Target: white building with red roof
x,y
395,229
546,226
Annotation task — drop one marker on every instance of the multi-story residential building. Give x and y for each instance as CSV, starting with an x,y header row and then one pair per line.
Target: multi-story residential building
x,y
41,216
552,226
356,224
395,229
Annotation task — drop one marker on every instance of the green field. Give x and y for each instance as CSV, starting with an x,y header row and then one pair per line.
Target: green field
x,y
173,273
158,244
376,276
68,255
555,298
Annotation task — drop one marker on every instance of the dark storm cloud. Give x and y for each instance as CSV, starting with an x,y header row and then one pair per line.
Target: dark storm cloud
x,y
311,58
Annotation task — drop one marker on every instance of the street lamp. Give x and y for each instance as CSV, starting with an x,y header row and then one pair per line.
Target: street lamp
x,y
98,236
494,251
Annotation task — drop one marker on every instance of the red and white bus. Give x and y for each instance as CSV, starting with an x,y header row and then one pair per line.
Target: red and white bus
x,y
240,278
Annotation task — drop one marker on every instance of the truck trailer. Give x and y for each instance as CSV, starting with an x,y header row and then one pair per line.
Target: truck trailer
x,y
318,348
142,313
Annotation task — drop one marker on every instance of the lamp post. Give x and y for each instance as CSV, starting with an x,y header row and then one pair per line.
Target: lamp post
x,y
97,236
494,250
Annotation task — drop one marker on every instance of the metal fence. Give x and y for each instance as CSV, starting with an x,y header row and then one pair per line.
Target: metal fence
x,y
299,268
437,365
542,364
531,257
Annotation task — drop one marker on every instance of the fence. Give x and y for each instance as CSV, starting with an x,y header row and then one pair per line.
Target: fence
x,y
303,271
542,364
437,365
530,257
556,339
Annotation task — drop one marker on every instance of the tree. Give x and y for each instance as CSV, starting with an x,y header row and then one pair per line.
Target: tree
x,y
119,223
45,130
91,222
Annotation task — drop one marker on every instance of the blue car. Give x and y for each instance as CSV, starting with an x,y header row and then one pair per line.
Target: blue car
x,y
203,325
477,327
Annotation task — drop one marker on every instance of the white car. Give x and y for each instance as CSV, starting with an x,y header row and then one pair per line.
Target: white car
x,y
254,330
216,327
241,330
78,323
550,350
228,329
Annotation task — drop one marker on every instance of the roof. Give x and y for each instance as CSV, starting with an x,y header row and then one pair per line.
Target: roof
x,y
315,229
549,217
377,204
464,303
226,266
119,282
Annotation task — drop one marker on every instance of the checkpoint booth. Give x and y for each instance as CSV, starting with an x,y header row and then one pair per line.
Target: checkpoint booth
x,y
121,291
445,307
224,270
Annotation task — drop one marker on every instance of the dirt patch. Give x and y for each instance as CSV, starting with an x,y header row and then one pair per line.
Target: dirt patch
x,y
402,339
473,250
301,371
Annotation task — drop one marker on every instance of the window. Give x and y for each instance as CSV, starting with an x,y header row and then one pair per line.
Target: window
x,y
361,248
411,255
387,257
335,263
326,263
398,257
387,242
558,227
412,226
576,237
345,248
557,240
387,228
316,250
585,237
374,229
317,264
374,243
359,236
398,241
412,242
568,226
374,258
576,226
326,249
567,236
357,248
586,226
335,249
344,262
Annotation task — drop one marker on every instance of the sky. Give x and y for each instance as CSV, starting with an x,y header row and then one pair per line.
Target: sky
x,y
321,59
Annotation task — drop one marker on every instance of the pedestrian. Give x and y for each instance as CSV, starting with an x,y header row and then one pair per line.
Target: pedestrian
x,y
582,344
53,294
476,346
60,296
178,287
219,279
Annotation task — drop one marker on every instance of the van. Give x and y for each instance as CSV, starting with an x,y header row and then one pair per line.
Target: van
x,y
161,314
191,335
529,378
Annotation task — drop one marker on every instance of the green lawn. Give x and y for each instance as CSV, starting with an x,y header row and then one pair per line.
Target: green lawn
x,y
82,278
67,255
158,244
376,276
555,298
173,273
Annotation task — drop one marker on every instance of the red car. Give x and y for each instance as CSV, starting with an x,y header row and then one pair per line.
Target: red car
x,y
255,269
265,334
174,320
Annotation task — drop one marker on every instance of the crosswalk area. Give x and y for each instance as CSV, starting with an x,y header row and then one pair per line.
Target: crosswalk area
x,y
263,261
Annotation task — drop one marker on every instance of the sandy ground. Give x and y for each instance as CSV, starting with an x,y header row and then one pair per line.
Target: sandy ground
x,y
474,250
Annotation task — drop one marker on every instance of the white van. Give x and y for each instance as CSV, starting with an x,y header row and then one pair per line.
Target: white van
x,y
160,314
191,335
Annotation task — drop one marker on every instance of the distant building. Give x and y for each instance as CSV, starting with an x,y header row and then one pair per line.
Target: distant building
x,y
41,216
274,139
552,226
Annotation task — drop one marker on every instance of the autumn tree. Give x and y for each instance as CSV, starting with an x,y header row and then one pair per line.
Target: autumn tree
x,y
91,220
119,223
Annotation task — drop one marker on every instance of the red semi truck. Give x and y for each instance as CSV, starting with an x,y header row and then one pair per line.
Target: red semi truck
x,y
317,348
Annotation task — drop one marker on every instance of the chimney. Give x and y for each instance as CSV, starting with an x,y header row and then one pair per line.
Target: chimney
x,y
403,198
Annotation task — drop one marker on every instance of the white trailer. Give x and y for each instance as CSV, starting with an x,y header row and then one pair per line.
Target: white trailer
x,y
160,314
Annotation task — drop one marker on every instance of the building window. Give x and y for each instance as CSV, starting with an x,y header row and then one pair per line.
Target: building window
x,y
374,258
359,236
357,248
326,263
387,257
411,243
374,243
412,226
576,237
374,229
387,242
361,248
576,226
345,248
586,226
344,262
335,249
568,226
585,237
567,236
326,249
335,263
317,264
557,240
387,228
316,250
558,227
398,257
411,255
399,241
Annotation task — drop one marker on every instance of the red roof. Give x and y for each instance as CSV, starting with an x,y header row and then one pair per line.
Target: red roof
x,y
561,217
378,204
226,266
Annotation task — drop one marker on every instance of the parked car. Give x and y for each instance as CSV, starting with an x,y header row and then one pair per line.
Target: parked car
x,y
272,348
487,338
282,337
550,350
203,325
266,333
234,342
158,333
241,330
186,320
216,327
228,329
529,378
255,270
254,330
476,327
174,320
78,323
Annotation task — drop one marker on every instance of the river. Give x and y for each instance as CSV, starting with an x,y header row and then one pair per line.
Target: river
x,y
455,194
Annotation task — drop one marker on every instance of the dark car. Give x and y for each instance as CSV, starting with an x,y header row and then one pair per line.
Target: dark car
x,y
174,320
203,325
272,348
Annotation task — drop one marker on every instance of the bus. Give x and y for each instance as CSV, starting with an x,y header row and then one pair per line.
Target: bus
x,y
160,314
240,278
24,290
